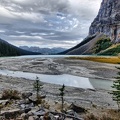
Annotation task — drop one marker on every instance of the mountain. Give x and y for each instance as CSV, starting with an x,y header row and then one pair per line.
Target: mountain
x,y
43,50
104,32
7,49
108,20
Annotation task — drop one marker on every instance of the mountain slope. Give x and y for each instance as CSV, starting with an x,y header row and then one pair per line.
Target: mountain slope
x,y
106,27
7,49
90,47
86,40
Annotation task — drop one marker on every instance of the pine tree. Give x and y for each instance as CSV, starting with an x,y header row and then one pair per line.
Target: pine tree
x,y
62,93
37,86
116,90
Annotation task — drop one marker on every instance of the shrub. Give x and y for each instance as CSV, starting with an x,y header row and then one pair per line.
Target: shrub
x,y
91,117
103,117
10,94
102,44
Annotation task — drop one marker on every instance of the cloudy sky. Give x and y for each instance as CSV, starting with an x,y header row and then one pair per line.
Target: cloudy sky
x,y
46,23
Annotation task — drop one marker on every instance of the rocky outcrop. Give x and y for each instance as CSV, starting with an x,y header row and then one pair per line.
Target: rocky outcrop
x,y
108,20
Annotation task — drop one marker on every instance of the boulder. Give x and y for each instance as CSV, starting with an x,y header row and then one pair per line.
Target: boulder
x,y
26,95
77,108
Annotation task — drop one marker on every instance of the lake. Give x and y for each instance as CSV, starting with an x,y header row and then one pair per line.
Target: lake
x,y
49,56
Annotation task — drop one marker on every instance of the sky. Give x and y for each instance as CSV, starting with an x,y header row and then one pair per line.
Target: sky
x,y
46,23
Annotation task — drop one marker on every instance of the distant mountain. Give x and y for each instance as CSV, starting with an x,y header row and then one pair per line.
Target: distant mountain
x,y
45,51
7,49
104,32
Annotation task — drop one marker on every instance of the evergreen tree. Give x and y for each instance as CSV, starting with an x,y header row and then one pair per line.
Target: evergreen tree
x,y
37,86
116,90
62,93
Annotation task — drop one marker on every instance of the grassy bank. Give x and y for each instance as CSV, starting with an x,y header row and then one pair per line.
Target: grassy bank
x,y
112,59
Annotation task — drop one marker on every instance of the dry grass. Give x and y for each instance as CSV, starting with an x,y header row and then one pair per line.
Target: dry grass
x,y
112,59
107,115
10,94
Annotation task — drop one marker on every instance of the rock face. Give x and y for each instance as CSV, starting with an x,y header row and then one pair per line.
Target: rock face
x,y
108,20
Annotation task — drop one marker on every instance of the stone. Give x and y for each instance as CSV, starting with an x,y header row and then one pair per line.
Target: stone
x,y
40,112
27,110
77,108
26,95
23,115
4,102
31,118
12,113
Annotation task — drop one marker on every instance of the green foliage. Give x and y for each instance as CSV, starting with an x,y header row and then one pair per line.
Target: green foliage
x,y
37,86
10,94
116,91
102,44
112,51
62,93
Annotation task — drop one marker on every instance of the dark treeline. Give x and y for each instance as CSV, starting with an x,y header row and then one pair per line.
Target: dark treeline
x,y
7,49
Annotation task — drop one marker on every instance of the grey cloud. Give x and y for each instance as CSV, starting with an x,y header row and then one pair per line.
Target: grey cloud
x,y
67,20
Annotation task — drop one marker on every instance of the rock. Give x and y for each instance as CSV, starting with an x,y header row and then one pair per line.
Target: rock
x,y
30,105
41,118
36,118
19,118
27,110
22,106
77,108
48,116
40,112
68,118
24,116
70,112
2,117
12,113
4,102
31,118
26,95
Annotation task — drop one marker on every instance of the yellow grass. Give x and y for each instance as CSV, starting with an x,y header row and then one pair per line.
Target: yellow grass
x,y
112,59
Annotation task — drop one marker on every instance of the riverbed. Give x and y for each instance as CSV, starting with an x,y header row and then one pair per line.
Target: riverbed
x,y
86,82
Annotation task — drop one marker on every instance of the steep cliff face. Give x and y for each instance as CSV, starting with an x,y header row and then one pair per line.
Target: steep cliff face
x,y
108,20
106,31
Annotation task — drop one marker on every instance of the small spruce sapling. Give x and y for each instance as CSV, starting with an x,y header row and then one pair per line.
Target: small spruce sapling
x,y
37,86
116,91
62,93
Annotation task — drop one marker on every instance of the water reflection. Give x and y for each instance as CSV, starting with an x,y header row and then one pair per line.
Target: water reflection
x,y
101,84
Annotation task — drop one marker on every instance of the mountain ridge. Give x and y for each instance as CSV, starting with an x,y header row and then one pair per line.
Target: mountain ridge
x,y
44,51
